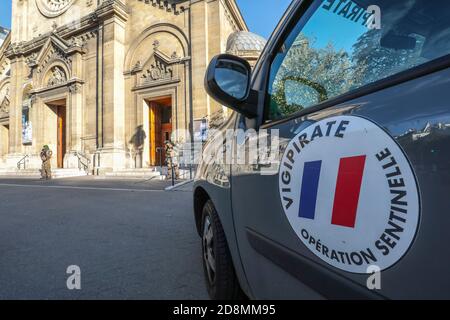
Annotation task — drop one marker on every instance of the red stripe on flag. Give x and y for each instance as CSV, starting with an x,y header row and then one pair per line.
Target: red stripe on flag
x,y
348,187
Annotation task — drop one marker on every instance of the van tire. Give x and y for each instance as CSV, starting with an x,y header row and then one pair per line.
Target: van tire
x,y
222,284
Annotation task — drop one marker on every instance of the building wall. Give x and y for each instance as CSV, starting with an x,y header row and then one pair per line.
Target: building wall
x,y
26,29
108,60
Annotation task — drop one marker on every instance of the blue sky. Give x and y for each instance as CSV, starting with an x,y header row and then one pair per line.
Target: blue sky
x,y
261,15
336,28
5,13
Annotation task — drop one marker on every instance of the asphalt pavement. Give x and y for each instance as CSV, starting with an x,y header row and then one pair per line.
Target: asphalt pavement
x,y
130,239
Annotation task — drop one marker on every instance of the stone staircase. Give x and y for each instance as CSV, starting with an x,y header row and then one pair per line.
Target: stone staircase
x,y
144,173
68,173
35,173
31,173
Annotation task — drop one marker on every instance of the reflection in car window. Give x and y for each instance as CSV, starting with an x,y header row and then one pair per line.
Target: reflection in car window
x,y
232,78
336,52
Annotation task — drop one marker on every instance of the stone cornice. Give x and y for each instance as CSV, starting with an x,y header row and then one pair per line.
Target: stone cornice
x,y
27,48
112,8
153,84
68,84
176,7
236,14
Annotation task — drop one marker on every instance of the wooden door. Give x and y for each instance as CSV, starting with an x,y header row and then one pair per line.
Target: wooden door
x,y
155,134
61,144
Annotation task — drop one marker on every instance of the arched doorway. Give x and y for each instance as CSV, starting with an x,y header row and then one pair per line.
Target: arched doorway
x,y
59,108
160,117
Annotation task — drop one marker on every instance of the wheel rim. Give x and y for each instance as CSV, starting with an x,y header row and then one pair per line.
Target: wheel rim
x,y
209,259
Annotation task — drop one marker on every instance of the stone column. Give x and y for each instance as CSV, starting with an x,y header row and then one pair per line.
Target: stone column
x,y
76,116
199,48
75,102
113,149
75,125
4,141
206,43
19,22
38,118
19,71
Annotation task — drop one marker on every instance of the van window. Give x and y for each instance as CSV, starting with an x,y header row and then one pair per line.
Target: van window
x,y
342,45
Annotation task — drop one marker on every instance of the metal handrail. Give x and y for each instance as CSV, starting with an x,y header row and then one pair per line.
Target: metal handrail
x,y
22,162
83,165
160,150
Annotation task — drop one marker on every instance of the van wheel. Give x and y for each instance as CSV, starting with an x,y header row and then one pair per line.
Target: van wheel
x,y
221,280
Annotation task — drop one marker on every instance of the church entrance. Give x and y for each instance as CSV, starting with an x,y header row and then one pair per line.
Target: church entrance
x,y
160,116
59,109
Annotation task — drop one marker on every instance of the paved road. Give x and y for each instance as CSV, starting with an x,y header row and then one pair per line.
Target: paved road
x,y
131,239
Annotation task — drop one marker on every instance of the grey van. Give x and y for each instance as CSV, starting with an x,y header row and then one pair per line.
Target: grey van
x,y
352,99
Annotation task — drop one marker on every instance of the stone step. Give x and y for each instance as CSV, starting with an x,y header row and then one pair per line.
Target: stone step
x,y
34,173
21,173
67,173
136,177
140,170
135,174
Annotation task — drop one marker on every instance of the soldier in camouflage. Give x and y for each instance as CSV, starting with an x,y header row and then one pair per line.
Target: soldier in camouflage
x,y
46,156
171,160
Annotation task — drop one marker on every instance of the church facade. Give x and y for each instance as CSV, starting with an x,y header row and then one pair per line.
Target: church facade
x,y
106,82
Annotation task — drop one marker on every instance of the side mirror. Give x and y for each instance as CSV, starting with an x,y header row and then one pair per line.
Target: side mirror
x,y
228,82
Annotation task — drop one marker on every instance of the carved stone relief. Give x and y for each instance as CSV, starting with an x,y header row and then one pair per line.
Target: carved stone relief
x,y
53,8
58,76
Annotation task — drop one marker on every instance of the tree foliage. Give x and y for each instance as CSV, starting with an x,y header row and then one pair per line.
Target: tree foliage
x,y
309,75
314,74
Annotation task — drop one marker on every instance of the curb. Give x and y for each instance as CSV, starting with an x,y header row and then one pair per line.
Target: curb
x,y
171,188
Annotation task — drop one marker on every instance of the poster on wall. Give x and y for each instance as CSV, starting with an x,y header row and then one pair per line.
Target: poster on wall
x,y
27,129
200,130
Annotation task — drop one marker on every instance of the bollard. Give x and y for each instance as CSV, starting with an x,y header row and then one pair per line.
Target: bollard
x,y
173,173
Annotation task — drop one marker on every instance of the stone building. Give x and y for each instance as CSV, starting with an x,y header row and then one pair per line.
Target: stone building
x,y
106,82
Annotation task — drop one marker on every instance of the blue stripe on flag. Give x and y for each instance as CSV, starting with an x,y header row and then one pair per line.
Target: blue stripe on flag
x,y
310,186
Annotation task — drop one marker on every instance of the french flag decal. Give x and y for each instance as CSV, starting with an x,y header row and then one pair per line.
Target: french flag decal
x,y
349,193
348,187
